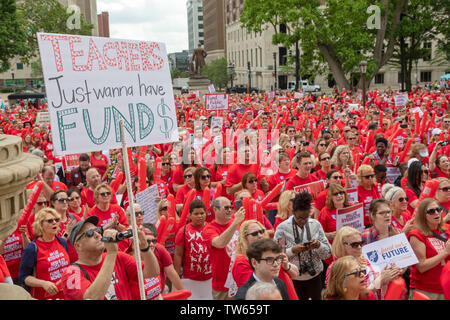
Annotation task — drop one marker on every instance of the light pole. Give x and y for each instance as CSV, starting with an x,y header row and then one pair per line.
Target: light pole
x,y
275,69
249,77
231,73
363,69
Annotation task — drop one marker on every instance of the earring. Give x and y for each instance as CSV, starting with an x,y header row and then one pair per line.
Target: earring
x,y
345,290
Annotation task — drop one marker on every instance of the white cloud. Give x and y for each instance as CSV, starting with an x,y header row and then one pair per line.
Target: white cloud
x,y
150,20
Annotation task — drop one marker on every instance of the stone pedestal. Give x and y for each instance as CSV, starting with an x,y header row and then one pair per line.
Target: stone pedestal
x,y
17,169
199,83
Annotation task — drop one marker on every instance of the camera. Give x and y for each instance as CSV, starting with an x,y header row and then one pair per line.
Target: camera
x,y
445,143
119,236
307,267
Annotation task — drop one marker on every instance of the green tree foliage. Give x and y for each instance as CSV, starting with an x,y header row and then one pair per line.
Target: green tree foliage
x,y
332,37
12,35
217,72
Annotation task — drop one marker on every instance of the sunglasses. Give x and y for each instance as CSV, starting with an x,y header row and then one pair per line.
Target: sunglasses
x,y
370,176
254,234
324,159
445,189
163,208
154,241
403,199
41,203
186,176
351,139
340,193
425,171
74,198
355,245
166,164
105,194
90,233
50,221
63,200
208,176
358,273
139,213
252,181
336,177
434,210
271,260
322,145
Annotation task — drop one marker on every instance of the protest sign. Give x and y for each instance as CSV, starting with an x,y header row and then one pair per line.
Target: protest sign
x,y
298,95
392,172
352,194
211,88
271,94
351,216
216,101
393,250
353,107
43,118
313,188
216,122
147,200
401,99
93,83
72,160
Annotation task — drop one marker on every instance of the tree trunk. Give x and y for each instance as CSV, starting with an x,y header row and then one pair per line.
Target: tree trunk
x,y
335,67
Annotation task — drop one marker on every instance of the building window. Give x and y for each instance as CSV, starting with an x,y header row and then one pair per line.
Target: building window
x,y
428,47
19,66
425,76
200,34
379,78
200,9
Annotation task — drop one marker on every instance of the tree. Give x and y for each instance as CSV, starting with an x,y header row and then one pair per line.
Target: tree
x,y
442,11
12,35
217,72
47,16
334,36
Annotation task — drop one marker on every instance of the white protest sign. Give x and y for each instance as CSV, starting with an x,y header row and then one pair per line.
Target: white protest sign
x,y
216,122
298,95
353,107
211,88
401,99
147,200
392,173
352,195
216,101
271,95
93,83
393,250
352,216
43,118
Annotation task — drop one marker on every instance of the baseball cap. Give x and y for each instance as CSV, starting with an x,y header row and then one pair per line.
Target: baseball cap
x,y
436,131
79,225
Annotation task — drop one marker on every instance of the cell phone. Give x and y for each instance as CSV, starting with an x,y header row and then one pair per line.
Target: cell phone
x,y
307,243
238,204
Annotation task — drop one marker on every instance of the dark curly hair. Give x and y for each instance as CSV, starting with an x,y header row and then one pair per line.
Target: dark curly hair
x,y
302,202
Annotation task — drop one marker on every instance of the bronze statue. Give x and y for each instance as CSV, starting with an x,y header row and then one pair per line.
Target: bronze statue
x,y
198,57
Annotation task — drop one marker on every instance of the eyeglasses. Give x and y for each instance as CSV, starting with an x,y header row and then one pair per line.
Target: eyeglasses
x,y
166,163
228,207
351,139
41,203
340,193
336,177
50,221
370,176
384,213
154,241
271,260
186,176
252,181
63,200
324,159
355,245
445,189
403,199
105,194
434,210
358,273
139,213
74,198
90,233
208,176
255,234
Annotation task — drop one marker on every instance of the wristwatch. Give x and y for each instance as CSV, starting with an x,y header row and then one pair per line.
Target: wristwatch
x,y
146,249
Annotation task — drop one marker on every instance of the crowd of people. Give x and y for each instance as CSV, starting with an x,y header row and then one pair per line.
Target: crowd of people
x,y
233,219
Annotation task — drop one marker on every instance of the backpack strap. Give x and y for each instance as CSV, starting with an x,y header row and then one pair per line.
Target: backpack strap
x,y
82,270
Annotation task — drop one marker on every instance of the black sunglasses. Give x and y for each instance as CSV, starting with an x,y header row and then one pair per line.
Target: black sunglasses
x,y
90,233
63,200
254,234
340,193
401,199
104,194
166,163
41,203
355,245
188,176
445,189
326,158
154,241
252,181
434,210
139,213
208,176
50,221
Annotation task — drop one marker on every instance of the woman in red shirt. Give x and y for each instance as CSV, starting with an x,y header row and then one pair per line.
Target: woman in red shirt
x,y
429,240
401,218
346,281
367,189
250,182
100,161
189,184
60,202
75,207
417,176
443,195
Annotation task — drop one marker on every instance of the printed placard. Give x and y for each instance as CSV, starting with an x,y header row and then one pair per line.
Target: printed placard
x,y
93,83
392,172
43,118
352,216
313,188
211,88
216,101
216,122
352,194
393,250
298,95
401,99
147,200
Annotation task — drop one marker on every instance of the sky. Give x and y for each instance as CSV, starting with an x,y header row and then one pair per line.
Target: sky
x,y
150,20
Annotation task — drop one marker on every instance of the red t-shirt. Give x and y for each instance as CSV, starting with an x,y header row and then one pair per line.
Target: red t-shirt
x,y
236,171
197,252
241,270
182,193
4,272
321,199
101,164
297,181
365,197
124,276
52,259
12,252
258,195
399,226
430,280
445,280
87,197
220,258
106,216
164,260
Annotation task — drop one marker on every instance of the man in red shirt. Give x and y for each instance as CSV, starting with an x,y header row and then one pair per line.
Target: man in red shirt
x,y
222,232
303,176
93,179
99,275
49,183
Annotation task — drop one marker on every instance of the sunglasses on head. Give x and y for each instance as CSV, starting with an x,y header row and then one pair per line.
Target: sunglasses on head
x,y
355,244
254,234
434,210
50,221
90,233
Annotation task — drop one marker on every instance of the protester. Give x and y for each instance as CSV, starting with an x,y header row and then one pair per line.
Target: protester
x,y
400,218
367,190
93,179
77,176
417,175
100,161
285,207
263,291
381,217
75,206
303,176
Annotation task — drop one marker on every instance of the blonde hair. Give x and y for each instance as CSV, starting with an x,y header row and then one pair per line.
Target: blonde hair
x,y
362,168
283,204
160,205
242,242
337,152
39,220
338,246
